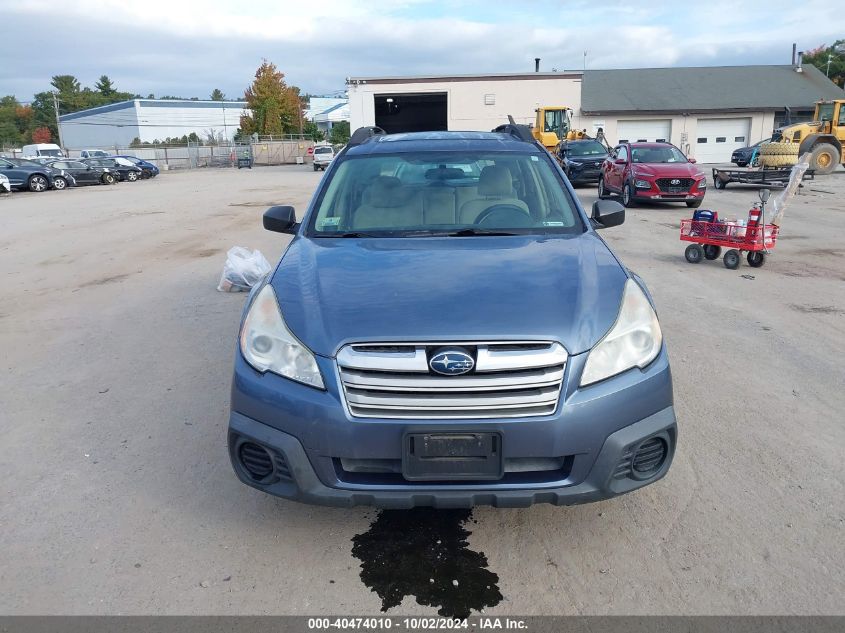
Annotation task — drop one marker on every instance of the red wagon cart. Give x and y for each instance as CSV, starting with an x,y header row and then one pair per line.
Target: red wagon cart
x,y
709,236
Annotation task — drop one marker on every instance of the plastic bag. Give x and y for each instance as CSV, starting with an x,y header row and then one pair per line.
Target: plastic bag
x,y
779,204
243,269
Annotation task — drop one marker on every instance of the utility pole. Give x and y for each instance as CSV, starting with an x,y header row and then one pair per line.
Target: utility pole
x,y
58,122
827,72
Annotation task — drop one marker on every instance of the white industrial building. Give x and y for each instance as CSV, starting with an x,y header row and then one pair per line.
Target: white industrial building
x,y
118,124
707,112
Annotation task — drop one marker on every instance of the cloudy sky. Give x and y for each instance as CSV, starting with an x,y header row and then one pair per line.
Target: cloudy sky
x,y
189,47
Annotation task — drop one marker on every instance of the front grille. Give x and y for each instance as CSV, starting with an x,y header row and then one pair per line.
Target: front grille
x,y
509,380
668,185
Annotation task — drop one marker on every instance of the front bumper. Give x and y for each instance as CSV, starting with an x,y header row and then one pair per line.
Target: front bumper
x,y
308,432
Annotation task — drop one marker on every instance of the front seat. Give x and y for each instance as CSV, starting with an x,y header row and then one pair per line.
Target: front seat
x,y
389,205
495,187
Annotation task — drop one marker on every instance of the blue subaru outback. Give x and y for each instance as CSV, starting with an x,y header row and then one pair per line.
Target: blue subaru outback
x,y
447,329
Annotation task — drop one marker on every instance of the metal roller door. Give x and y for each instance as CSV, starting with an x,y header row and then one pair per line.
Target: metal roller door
x,y
716,139
646,130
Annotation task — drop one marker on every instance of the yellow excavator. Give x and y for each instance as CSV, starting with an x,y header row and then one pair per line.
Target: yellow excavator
x,y
553,125
823,138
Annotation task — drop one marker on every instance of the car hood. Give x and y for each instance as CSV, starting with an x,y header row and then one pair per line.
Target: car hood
x,y
667,170
333,291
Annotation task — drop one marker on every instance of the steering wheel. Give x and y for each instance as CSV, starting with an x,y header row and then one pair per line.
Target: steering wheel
x,y
505,216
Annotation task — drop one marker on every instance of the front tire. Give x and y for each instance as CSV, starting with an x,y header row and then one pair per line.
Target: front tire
x,y
731,259
628,196
824,159
694,204
694,253
38,183
711,251
107,179
132,176
602,190
59,183
756,259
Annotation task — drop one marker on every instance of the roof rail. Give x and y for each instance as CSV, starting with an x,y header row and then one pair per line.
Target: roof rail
x,y
518,131
362,134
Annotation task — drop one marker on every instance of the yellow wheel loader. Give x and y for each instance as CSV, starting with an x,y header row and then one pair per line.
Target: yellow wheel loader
x,y
823,138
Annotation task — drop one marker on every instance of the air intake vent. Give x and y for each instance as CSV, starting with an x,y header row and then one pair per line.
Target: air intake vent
x,y
649,457
255,460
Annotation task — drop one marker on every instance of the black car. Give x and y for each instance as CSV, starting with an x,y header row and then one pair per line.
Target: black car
x,y
85,174
582,160
124,169
25,174
742,156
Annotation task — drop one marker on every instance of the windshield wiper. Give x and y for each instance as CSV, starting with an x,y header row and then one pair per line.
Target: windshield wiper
x,y
471,231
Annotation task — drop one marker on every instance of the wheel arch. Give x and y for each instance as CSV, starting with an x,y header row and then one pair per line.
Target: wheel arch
x,y
814,139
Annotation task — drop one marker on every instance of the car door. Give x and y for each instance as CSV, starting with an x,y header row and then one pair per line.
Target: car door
x,y
83,173
16,176
616,169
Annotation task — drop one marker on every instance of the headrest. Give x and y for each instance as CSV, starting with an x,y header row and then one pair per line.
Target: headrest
x,y
387,191
444,173
495,181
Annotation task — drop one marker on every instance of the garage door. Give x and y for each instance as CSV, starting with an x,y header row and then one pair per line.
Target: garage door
x,y
647,130
716,139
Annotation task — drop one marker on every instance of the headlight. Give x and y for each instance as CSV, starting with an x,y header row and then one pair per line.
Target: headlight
x,y
633,341
642,184
268,345
702,184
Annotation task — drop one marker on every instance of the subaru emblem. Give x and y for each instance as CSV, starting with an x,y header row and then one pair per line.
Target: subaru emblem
x,y
451,362
675,181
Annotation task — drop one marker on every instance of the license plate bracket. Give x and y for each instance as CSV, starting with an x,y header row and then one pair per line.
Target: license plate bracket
x,y
452,455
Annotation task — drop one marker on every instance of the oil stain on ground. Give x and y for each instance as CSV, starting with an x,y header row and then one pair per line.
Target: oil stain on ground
x,y
424,553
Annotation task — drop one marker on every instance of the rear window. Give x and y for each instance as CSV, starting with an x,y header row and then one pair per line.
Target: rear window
x,y
323,150
437,193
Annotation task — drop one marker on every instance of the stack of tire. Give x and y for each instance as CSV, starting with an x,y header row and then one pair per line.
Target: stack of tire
x,y
778,154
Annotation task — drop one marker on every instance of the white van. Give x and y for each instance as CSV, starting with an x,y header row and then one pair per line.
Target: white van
x,y
94,153
39,150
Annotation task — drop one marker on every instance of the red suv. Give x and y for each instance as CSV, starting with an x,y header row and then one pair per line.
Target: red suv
x,y
651,171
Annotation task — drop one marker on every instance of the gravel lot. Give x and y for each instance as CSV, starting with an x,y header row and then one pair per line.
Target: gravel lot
x,y
117,497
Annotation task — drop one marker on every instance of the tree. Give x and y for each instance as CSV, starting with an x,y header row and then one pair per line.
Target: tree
x,y
835,53
41,135
311,130
105,86
217,95
339,134
275,107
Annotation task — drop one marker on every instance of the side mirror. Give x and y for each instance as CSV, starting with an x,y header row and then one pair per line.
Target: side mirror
x,y
692,160
281,219
620,161
607,213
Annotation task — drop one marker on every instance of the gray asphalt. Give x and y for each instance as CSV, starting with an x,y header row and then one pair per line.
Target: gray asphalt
x,y
116,495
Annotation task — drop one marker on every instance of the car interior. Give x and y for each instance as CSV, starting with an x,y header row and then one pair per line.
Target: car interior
x,y
390,193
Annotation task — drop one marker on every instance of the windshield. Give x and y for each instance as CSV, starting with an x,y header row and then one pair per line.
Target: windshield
x,y
556,121
322,150
432,193
657,154
50,152
825,112
590,148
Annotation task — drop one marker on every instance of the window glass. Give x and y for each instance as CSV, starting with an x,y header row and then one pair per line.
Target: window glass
x,y
588,148
720,139
702,139
437,193
739,139
658,154
622,153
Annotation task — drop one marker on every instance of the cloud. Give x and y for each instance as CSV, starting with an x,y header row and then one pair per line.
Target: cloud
x,y
188,48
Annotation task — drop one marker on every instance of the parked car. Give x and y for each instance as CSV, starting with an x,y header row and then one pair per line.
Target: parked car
x,y
742,157
94,153
463,338
582,160
323,156
656,172
85,174
39,150
148,169
24,174
123,168
5,186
